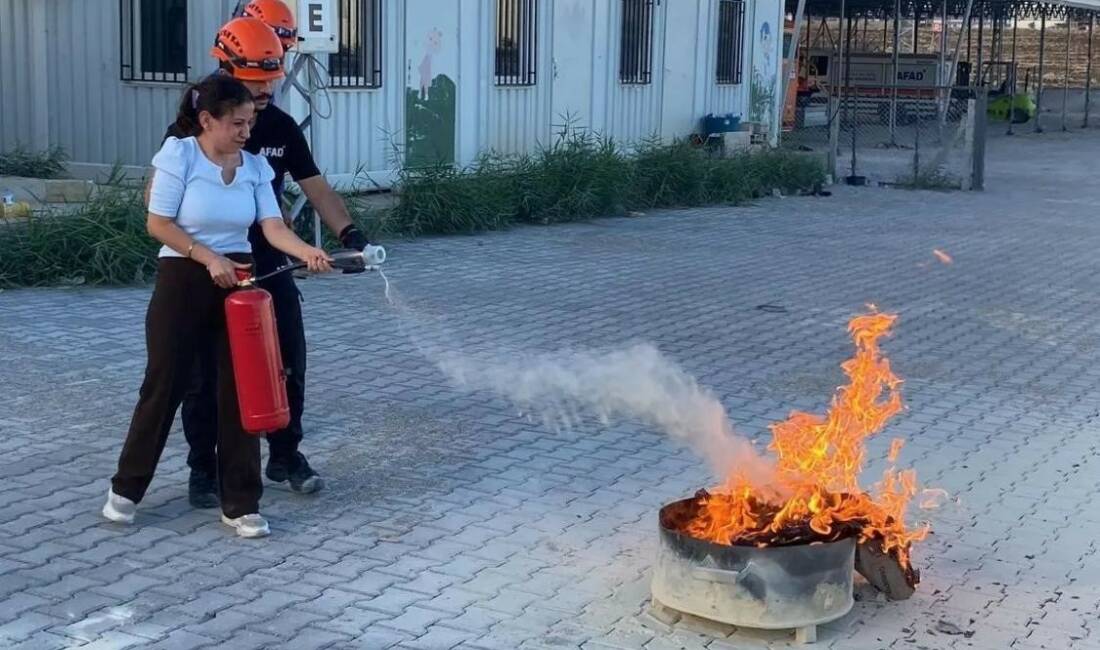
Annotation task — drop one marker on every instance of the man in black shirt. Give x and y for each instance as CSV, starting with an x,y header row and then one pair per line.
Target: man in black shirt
x,y
249,56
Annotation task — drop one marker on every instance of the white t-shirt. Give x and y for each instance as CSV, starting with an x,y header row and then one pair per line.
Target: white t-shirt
x,y
188,188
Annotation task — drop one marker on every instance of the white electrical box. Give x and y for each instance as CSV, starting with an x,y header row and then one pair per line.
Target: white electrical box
x,y
317,27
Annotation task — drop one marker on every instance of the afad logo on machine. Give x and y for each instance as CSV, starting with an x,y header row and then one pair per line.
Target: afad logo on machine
x,y
910,75
272,152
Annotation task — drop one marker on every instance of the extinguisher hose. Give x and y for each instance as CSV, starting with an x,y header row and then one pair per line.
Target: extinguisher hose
x,y
282,269
348,260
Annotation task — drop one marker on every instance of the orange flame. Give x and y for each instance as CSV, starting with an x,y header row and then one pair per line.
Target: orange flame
x,y
818,462
942,256
895,449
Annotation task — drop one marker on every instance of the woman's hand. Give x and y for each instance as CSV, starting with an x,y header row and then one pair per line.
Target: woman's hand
x,y
285,240
223,271
317,260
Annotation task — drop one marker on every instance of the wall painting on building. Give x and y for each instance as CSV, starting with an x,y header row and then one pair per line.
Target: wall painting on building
x,y
430,100
762,84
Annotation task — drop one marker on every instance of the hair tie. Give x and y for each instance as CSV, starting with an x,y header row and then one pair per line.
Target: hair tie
x,y
195,99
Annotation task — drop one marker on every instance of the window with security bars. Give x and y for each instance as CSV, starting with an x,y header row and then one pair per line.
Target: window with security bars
x,y
636,43
517,42
731,39
153,41
358,63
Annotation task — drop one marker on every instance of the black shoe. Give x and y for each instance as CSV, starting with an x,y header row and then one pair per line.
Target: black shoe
x,y
295,469
202,490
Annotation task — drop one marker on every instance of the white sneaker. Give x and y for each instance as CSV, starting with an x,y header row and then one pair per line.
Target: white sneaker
x,y
119,509
253,525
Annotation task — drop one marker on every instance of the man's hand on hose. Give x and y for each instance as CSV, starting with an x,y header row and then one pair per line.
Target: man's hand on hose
x,y
352,237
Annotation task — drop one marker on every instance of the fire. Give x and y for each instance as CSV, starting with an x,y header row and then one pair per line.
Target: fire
x,y
895,449
815,495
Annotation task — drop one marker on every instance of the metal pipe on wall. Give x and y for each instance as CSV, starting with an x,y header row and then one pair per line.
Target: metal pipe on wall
x,y
894,74
847,82
969,40
943,76
1039,81
1015,25
978,73
790,68
1065,78
809,28
953,72
1088,74
916,28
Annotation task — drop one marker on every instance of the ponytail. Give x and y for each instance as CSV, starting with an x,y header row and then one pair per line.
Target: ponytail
x,y
217,94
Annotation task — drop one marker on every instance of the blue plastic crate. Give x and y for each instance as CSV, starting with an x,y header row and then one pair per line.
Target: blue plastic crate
x,y
727,123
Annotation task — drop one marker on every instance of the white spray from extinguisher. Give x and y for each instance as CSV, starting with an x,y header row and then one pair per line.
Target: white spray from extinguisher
x,y
372,258
561,387
386,280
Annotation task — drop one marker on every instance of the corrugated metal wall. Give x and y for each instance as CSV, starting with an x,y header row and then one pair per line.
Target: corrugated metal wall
x,y
691,87
22,118
72,95
626,112
519,116
89,111
722,98
359,135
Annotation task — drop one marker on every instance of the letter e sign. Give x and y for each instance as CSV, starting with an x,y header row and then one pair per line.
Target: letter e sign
x,y
317,26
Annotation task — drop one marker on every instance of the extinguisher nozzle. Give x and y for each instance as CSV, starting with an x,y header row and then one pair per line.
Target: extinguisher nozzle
x,y
354,261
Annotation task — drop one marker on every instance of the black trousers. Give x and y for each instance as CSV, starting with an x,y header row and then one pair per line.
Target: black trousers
x,y
186,321
200,412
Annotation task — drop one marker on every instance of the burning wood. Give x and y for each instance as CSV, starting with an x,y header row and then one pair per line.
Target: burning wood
x,y
815,494
885,571
701,511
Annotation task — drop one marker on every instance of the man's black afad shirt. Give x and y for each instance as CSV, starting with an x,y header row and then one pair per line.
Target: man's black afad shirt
x,y
276,136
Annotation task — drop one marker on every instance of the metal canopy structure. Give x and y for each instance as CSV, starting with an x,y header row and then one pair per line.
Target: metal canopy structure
x,y
1002,17
983,33
935,8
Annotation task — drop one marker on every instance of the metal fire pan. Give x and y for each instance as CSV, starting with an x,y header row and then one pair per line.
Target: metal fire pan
x,y
769,588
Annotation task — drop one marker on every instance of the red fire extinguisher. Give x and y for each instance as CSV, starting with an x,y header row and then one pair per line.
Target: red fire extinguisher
x,y
254,342
257,362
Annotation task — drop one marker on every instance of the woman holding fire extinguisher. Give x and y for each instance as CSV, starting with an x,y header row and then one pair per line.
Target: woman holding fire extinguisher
x,y
206,192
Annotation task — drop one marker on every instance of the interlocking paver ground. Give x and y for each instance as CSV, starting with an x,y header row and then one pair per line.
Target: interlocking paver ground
x,y
451,520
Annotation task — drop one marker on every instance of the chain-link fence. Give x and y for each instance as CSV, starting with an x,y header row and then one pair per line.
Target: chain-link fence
x,y
922,138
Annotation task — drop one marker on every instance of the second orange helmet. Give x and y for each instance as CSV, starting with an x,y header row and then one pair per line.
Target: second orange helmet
x,y
278,17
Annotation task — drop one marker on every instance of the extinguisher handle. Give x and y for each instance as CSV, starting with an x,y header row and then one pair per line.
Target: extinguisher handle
x,y
243,275
282,269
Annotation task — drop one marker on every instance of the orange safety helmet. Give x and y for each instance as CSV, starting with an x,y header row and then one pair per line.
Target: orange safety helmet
x,y
250,50
278,17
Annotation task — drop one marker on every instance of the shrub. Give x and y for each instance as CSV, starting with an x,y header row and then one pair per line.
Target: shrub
x,y
45,164
580,176
103,242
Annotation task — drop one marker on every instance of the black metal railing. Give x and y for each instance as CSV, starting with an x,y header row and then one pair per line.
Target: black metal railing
x,y
636,44
153,43
358,64
517,42
731,40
